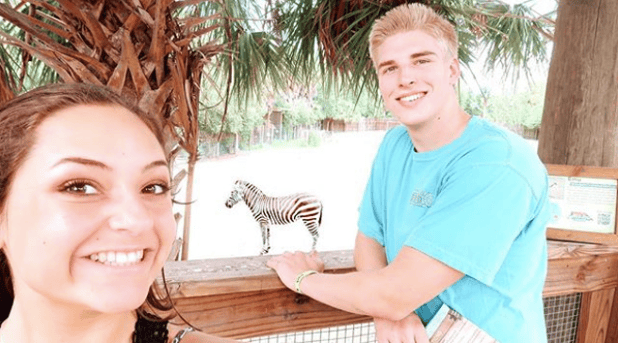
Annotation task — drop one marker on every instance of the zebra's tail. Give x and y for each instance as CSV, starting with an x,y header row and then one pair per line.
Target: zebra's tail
x,y
320,217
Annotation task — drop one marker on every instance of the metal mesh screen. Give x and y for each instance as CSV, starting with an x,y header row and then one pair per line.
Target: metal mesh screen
x,y
561,318
356,333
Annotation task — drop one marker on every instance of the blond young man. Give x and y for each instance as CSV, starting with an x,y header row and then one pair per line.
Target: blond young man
x,y
454,211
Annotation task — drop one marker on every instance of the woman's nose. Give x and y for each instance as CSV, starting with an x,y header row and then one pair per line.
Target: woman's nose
x,y
130,213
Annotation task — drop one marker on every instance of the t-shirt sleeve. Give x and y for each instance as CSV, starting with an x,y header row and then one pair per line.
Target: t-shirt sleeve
x,y
477,214
371,213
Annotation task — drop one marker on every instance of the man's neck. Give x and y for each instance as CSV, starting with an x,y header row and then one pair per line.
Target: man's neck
x,y
441,131
51,324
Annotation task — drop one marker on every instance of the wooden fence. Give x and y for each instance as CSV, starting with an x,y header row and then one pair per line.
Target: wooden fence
x,y
241,297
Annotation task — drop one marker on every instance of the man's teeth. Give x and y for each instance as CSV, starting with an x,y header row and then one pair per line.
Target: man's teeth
x,y
413,97
115,258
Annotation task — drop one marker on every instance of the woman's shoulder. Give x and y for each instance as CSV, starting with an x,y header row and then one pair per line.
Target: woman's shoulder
x,y
185,334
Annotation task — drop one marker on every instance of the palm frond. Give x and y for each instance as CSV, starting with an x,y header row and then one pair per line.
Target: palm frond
x,y
333,36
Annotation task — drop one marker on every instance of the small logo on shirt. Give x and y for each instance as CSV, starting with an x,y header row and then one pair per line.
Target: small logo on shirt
x,y
421,198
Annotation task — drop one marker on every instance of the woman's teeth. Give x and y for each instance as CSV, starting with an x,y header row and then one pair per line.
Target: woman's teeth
x,y
413,97
114,258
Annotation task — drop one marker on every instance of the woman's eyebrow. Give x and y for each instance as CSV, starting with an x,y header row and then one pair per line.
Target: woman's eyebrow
x,y
81,160
158,163
98,164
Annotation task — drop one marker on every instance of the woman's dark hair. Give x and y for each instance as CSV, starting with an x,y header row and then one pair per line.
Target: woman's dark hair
x,y
19,119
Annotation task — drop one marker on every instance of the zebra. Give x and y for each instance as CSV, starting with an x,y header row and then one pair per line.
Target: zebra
x,y
278,210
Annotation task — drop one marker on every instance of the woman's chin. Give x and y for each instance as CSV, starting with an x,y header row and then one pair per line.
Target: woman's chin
x,y
119,305
123,300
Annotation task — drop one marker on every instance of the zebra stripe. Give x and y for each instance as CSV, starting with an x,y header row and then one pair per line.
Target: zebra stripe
x,y
278,210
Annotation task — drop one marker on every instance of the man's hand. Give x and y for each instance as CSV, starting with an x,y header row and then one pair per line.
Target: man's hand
x,y
289,265
408,330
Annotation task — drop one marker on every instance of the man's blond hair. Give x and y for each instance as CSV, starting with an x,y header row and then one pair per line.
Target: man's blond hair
x,y
410,17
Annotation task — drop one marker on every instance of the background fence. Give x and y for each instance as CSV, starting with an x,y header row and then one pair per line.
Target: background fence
x,y
212,146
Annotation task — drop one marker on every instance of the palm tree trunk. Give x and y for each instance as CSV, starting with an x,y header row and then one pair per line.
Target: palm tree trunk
x,y
188,199
580,118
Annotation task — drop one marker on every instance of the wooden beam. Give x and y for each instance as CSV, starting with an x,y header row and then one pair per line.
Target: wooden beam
x,y
612,330
241,297
575,267
594,316
260,313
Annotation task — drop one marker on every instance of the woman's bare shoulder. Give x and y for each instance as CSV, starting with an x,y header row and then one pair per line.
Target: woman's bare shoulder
x,y
195,336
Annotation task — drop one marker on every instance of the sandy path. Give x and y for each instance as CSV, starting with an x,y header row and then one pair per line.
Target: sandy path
x,y
336,172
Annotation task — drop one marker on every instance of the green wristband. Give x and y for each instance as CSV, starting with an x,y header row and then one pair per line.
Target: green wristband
x,y
300,278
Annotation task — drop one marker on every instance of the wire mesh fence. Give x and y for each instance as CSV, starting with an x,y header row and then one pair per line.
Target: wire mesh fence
x,y
561,318
355,333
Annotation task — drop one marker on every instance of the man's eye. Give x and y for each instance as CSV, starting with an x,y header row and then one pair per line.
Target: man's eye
x,y
156,188
79,187
389,70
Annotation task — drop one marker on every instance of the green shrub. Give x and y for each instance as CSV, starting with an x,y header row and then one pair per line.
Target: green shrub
x,y
314,140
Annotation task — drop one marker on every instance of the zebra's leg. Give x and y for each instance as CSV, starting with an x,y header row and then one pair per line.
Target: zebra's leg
x,y
265,238
312,227
315,240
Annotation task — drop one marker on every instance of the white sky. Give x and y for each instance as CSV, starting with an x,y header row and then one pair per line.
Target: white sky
x,y
494,81
541,6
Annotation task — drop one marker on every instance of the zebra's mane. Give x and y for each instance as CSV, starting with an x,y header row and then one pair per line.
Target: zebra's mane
x,y
246,186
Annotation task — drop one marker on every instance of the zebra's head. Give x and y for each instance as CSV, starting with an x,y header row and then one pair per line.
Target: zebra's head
x,y
236,195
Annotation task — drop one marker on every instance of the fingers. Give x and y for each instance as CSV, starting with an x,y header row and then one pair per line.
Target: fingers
x,y
296,262
272,263
407,330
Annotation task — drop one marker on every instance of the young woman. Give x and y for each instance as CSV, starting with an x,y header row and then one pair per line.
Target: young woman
x,y
86,220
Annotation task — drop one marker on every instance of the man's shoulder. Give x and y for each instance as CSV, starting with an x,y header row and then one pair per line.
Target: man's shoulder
x,y
494,147
395,138
493,144
396,133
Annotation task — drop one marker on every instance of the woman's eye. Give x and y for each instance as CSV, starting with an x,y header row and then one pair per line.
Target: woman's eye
x,y
79,187
156,189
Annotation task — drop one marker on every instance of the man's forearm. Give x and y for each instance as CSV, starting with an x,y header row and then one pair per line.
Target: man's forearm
x,y
362,289
390,291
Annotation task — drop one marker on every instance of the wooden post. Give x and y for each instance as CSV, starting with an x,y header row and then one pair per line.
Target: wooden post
x,y
189,197
594,318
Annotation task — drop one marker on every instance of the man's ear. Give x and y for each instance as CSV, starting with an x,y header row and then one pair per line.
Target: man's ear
x,y
454,71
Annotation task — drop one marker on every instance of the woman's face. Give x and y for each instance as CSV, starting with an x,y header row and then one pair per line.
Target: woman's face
x,y
88,220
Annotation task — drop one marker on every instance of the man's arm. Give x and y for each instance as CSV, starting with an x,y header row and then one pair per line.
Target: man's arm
x,y
368,254
392,292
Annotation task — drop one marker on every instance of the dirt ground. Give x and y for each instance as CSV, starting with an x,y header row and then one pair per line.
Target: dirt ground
x,y
336,172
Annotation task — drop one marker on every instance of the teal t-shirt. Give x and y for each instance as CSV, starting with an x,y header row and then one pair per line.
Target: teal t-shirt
x,y
479,205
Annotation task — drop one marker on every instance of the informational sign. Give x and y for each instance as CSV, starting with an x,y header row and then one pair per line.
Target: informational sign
x,y
584,204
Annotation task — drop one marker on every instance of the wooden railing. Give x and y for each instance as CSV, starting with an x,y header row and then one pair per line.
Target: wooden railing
x,y
241,297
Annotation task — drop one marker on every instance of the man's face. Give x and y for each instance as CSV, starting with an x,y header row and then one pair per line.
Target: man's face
x,y
416,77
